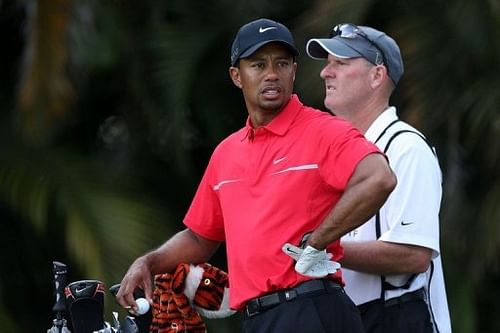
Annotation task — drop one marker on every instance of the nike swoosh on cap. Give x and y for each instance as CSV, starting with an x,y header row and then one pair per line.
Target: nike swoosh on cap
x,y
261,30
406,223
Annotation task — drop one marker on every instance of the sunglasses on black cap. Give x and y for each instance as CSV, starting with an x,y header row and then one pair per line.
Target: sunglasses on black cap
x,y
350,31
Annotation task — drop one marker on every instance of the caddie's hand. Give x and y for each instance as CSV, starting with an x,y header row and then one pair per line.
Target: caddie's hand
x,y
310,261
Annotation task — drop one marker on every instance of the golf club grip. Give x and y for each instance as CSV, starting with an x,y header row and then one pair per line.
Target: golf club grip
x,y
59,284
114,289
138,293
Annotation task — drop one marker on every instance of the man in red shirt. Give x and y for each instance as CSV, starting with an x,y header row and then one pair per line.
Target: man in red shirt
x,y
280,193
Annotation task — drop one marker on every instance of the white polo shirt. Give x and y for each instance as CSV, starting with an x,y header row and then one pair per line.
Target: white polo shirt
x,y
409,216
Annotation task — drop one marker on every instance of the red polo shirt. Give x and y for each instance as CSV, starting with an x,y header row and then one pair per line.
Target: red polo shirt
x,y
269,186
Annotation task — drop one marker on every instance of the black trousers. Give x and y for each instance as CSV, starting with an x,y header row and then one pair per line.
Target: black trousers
x,y
324,311
408,317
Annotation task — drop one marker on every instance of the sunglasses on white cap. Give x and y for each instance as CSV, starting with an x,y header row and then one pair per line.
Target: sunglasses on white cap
x,y
351,31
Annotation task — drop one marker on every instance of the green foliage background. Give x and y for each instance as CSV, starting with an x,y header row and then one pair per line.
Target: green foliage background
x,y
109,111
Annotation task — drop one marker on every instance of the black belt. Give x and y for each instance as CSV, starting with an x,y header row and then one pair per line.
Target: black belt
x,y
260,304
405,298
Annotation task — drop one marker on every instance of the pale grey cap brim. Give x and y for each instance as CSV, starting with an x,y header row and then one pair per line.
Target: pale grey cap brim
x,y
320,48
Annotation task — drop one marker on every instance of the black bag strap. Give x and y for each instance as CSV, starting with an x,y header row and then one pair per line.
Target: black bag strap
x,y
408,131
384,284
431,310
385,130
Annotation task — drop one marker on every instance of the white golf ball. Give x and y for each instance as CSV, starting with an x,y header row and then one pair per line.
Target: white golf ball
x,y
142,305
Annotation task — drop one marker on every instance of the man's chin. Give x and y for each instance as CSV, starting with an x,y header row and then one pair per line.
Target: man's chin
x,y
329,104
274,104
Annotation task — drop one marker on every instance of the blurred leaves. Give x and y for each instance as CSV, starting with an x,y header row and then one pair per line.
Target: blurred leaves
x,y
107,220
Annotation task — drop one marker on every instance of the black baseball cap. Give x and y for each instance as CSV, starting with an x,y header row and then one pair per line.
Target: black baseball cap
x,y
350,41
258,33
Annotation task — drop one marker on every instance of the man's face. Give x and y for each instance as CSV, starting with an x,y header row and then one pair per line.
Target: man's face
x,y
347,83
266,78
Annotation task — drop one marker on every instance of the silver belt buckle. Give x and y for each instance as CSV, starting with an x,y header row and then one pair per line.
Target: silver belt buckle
x,y
290,294
256,312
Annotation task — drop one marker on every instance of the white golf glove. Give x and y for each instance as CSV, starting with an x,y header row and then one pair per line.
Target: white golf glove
x,y
311,262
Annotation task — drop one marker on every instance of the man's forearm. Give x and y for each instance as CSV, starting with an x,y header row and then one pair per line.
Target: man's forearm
x,y
183,247
367,190
385,258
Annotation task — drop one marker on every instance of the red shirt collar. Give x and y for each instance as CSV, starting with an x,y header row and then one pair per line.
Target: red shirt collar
x,y
282,122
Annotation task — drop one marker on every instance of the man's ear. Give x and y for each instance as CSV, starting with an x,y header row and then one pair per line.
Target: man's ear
x,y
234,73
379,75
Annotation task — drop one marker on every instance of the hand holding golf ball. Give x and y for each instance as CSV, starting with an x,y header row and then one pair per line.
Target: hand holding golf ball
x,y
142,305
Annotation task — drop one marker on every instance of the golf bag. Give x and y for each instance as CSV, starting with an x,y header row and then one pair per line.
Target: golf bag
x,y
82,302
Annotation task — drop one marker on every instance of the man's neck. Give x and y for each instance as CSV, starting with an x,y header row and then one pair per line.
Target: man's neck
x,y
363,118
261,119
261,116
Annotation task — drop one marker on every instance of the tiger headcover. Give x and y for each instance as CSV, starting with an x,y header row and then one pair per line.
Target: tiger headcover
x,y
181,299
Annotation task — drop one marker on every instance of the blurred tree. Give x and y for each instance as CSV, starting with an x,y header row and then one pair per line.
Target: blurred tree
x,y
45,91
65,196
111,110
